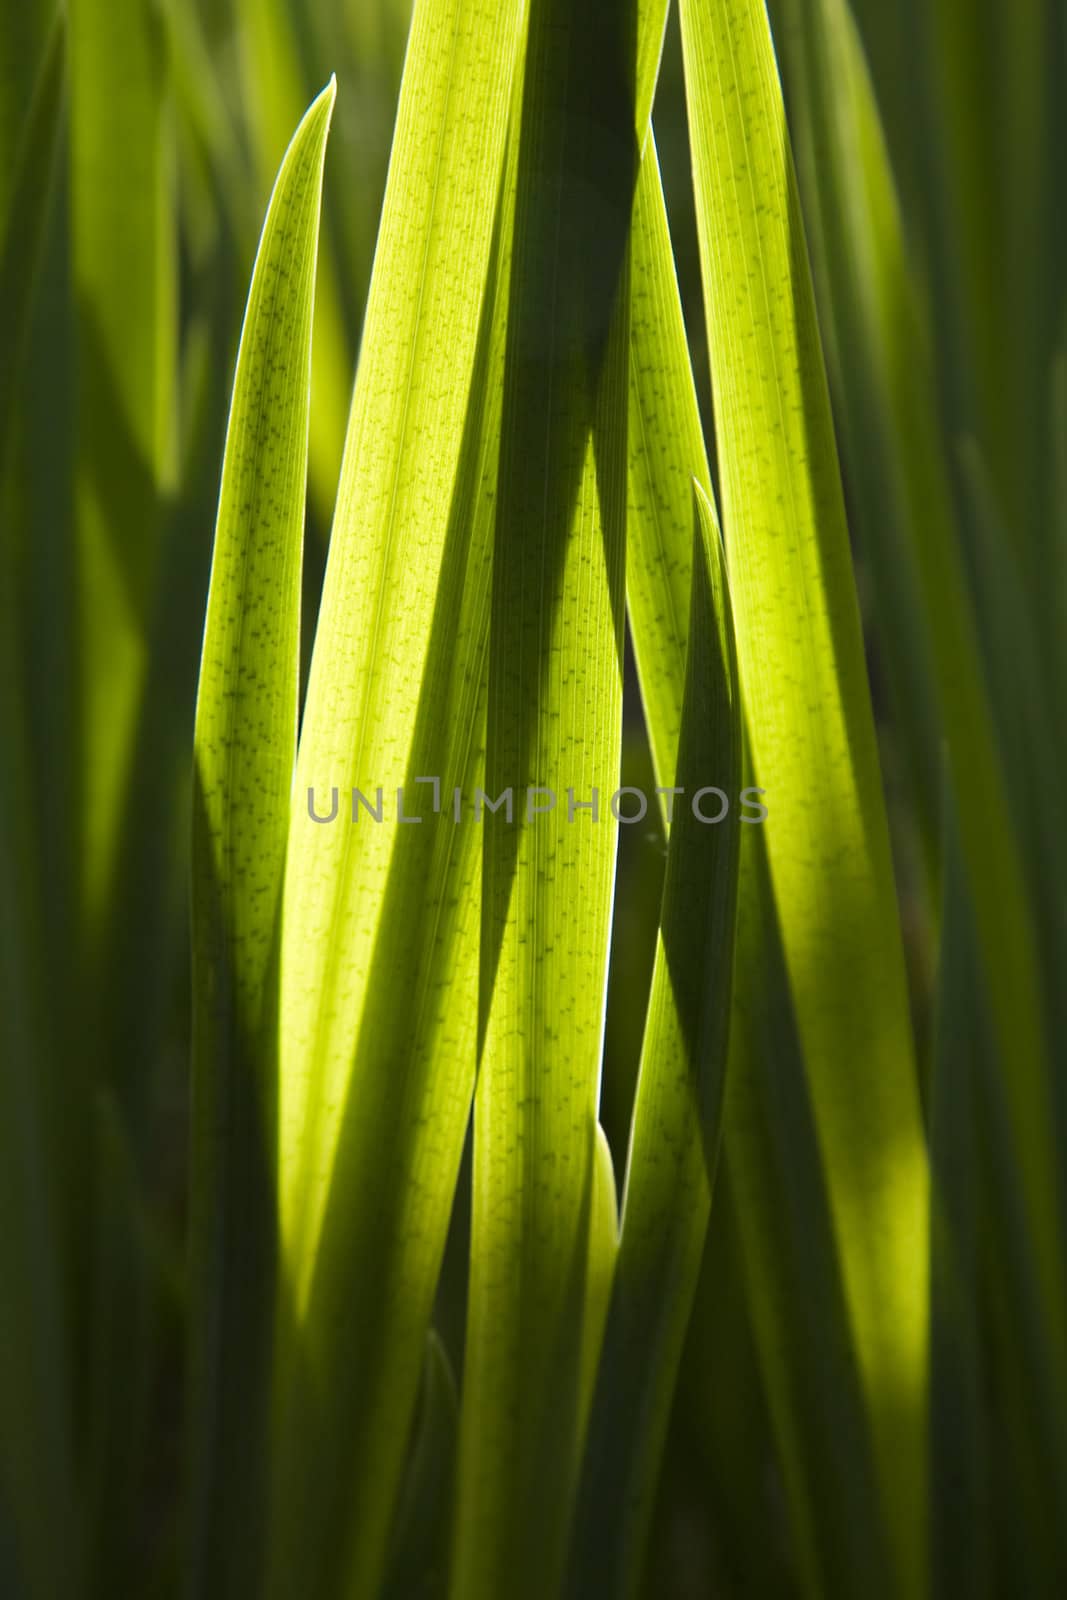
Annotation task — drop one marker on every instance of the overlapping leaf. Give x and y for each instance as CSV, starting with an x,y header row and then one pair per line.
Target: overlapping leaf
x,y
373,1106
269,42
244,751
810,728
891,427
555,701
693,715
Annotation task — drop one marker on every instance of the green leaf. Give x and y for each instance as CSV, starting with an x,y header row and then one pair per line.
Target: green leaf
x,y
374,1096
666,445
895,447
791,1266
404,445
677,1113
273,95
666,450
426,949
554,724
245,750
881,372
810,728
425,946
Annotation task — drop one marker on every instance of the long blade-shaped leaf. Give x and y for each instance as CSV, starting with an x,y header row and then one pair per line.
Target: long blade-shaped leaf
x,y
408,1123
678,1100
810,726
791,1266
270,58
667,453
245,748
886,407
374,1103
554,727
425,943
400,466
899,466
677,1112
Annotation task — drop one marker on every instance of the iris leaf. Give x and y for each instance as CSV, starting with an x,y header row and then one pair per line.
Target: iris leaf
x,y
374,1099
245,750
693,713
554,727
810,727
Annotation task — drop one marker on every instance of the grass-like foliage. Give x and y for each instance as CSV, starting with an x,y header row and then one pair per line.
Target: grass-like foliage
x,y
537,1068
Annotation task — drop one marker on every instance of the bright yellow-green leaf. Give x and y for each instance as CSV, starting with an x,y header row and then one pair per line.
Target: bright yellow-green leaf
x,y
373,1105
666,446
810,727
554,705
408,1122
554,724
681,1072
426,943
401,459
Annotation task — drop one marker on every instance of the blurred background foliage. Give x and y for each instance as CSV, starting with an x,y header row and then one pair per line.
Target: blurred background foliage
x,y
138,143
